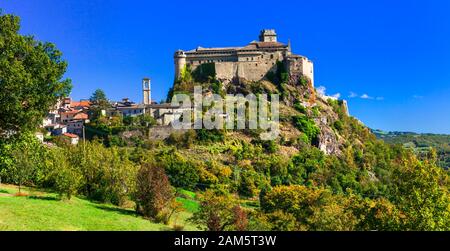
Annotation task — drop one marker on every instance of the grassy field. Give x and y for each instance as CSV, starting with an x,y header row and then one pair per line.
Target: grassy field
x,y
42,210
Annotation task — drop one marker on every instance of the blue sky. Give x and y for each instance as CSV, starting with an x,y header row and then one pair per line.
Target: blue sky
x,y
389,59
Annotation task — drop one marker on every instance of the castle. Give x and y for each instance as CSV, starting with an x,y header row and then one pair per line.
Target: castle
x,y
251,62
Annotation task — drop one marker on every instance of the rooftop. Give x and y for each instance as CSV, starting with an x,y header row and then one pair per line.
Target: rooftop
x,y
71,135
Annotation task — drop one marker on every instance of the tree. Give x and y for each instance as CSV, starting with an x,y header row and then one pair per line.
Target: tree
x,y
313,208
420,191
99,98
22,160
66,178
99,102
24,166
219,212
31,81
182,172
153,191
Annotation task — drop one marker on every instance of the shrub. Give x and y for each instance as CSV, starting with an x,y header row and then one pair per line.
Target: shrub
x,y
180,139
299,107
181,172
338,125
210,135
219,212
307,126
269,146
247,185
153,191
281,221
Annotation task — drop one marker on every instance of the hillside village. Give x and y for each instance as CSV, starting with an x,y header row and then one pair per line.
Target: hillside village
x,y
68,118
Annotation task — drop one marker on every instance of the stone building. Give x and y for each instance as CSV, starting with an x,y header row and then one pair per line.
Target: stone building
x,y
251,62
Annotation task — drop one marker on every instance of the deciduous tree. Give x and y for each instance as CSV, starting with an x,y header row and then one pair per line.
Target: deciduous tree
x,y
31,78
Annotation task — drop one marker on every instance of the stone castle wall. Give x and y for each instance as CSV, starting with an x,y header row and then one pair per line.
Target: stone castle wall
x,y
251,62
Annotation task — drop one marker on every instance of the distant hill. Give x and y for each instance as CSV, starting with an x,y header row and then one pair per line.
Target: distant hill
x,y
420,143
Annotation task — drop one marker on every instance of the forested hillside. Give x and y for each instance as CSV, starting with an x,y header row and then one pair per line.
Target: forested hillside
x,y
421,144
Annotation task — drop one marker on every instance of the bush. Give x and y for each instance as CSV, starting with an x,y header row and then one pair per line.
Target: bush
x,y
299,107
308,127
180,139
219,212
181,172
338,125
269,146
247,185
153,191
206,135
281,221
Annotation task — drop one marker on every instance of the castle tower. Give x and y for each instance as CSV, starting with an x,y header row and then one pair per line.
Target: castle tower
x,y
289,51
146,91
180,63
268,36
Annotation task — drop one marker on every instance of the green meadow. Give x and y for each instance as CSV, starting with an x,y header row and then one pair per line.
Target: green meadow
x,y
42,210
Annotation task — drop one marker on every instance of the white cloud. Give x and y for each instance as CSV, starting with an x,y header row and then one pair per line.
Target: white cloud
x,y
353,95
321,90
365,96
337,95
418,97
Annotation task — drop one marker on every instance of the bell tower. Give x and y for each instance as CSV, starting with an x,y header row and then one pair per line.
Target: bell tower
x,y
146,91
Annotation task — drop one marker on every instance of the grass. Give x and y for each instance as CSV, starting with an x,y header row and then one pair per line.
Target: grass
x,y
186,194
41,210
189,205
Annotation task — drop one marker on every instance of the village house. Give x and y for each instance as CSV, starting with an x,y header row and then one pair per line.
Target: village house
x,y
129,108
75,127
73,138
67,116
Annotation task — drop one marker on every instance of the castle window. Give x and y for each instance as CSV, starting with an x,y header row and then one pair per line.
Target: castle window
x,y
256,64
271,56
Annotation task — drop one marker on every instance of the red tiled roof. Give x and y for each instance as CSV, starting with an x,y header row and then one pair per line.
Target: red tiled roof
x,y
81,115
71,135
80,104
